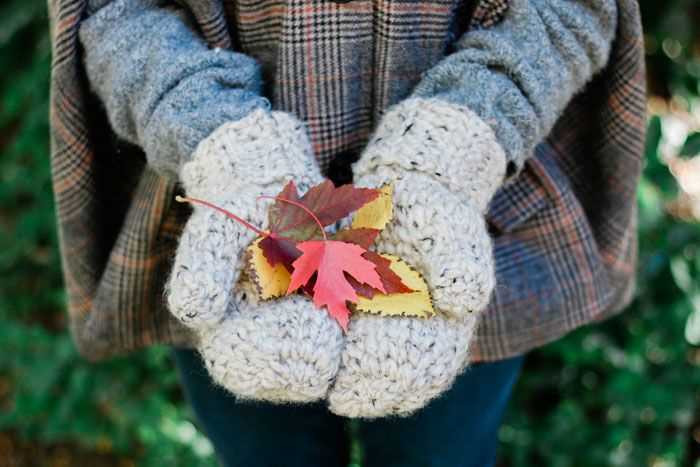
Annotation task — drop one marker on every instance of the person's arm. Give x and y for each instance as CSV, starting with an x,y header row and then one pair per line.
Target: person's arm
x,y
446,149
163,89
480,110
519,75
199,117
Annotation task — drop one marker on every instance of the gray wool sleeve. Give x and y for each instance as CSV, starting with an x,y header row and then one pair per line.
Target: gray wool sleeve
x,y
519,75
162,87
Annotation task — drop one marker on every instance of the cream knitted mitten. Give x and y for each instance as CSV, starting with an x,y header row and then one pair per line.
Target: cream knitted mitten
x,y
279,351
445,164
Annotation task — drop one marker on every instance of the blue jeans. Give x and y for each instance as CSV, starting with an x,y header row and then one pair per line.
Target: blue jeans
x,y
458,429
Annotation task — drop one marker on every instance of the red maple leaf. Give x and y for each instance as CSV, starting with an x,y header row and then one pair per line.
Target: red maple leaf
x,y
390,280
328,203
293,218
363,237
330,261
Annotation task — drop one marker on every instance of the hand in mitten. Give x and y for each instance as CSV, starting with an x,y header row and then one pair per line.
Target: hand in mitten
x,y
445,164
280,351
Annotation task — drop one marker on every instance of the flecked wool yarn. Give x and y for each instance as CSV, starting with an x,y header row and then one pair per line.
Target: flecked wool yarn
x,y
395,366
281,351
445,164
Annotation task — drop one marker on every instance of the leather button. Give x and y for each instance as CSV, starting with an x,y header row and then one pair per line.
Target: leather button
x,y
340,168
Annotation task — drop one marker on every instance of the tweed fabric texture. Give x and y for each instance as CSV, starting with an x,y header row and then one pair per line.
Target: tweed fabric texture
x,y
522,94
277,351
118,225
339,65
166,105
396,366
565,231
160,94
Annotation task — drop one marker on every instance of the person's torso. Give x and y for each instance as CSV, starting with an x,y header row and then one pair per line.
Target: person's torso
x,y
337,64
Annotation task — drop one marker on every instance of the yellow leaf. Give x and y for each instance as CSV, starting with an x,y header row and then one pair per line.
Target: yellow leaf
x,y
377,213
417,303
271,281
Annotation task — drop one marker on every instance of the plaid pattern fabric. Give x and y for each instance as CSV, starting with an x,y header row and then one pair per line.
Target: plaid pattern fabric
x,y
488,13
117,227
564,229
337,66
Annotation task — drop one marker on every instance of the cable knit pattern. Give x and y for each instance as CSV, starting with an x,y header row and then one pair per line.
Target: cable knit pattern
x,y
446,165
279,351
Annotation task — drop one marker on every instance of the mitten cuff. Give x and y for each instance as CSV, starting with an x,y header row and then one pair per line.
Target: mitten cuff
x,y
447,142
261,150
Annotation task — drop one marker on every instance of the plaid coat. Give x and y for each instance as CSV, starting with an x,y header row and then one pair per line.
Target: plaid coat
x,y
564,230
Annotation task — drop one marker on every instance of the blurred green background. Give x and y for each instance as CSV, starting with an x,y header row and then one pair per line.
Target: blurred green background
x,y
624,393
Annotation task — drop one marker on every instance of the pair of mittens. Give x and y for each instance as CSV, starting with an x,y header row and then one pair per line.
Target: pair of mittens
x,y
445,165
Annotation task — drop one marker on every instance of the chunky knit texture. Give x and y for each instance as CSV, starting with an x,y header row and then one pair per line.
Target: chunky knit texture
x,y
395,366
446,165
279,351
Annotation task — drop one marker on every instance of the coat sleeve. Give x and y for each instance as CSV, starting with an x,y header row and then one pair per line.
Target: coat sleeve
x,y
519,75
162,87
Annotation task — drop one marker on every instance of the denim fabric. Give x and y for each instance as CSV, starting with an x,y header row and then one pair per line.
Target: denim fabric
x,y
457,430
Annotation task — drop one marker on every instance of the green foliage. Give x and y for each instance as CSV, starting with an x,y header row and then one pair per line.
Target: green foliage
x,y
671,40
130,406
622,393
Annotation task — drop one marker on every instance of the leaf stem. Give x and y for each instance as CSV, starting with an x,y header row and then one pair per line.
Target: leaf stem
x,y
185,199
301,206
